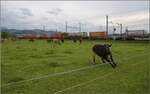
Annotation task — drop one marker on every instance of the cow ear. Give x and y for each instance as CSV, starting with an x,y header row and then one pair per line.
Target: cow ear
x,y
110,45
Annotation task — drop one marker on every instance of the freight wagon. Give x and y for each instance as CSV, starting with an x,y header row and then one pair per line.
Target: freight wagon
x,y
35,35
56,35
83,35
97,35
136,34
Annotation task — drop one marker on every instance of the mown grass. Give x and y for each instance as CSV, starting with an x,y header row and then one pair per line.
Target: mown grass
x,y
23,60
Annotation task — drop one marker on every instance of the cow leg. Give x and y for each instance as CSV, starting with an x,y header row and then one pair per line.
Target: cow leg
x,y
94,58
103,60
112,60
59,43
106,58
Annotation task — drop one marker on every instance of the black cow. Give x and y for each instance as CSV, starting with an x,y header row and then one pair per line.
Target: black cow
x,y
49,40
80,40
14,39
74,40
31,40
104,52
62,40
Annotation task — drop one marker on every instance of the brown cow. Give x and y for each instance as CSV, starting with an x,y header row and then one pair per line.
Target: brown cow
x,y
57,41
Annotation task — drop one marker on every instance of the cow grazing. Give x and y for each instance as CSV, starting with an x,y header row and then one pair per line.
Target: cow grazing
x,y
80,40
74,40
104,52
49,40
14,39
62,40
2,40
31,40
56,41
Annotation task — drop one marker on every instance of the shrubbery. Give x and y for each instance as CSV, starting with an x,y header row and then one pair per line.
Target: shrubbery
x,y
6,35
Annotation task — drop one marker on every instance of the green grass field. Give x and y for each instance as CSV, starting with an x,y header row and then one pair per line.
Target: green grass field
x,y
26,68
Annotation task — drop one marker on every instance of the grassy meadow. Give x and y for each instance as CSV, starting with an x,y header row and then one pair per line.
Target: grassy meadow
x,y
26,68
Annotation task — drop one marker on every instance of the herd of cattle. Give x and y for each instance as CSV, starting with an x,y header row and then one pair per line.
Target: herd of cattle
x,y
58,41
101,50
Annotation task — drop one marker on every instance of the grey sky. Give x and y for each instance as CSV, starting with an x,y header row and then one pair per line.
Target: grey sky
x,y
53,14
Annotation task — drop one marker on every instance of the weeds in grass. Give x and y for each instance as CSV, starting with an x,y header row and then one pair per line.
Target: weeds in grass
x,y
54,64
139,50
117,52
49,52
22,49
18,47
16,79
34,49
35,56
67,52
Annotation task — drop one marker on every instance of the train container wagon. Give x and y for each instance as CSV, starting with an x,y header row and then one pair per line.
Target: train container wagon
x,y
97,35
56,35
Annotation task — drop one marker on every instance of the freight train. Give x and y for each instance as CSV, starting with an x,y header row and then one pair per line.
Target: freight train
x,y
68,35
128,35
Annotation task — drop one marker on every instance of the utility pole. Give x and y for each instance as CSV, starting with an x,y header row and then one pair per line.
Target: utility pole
x,y
143,35
80,27
120,25
114,29
106,26
126,32
121,30
66,26
43,27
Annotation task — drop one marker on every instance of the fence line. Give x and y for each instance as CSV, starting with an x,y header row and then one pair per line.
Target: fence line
x,y
84,83
81,84
51,75
61,73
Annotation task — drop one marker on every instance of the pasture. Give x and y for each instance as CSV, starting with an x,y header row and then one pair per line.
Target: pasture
x,y
44,68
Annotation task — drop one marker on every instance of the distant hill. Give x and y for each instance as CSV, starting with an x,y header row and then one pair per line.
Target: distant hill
x,y
16,31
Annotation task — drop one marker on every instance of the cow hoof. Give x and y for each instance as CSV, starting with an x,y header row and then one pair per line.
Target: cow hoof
x,y
114,67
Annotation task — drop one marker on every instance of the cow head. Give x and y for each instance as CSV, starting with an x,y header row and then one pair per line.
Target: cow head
x,y
108,45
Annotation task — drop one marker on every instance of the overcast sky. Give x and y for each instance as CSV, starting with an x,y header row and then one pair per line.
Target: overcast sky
x,y
91,14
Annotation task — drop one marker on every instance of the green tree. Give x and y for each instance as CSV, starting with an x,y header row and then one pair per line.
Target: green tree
x,y
5,35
